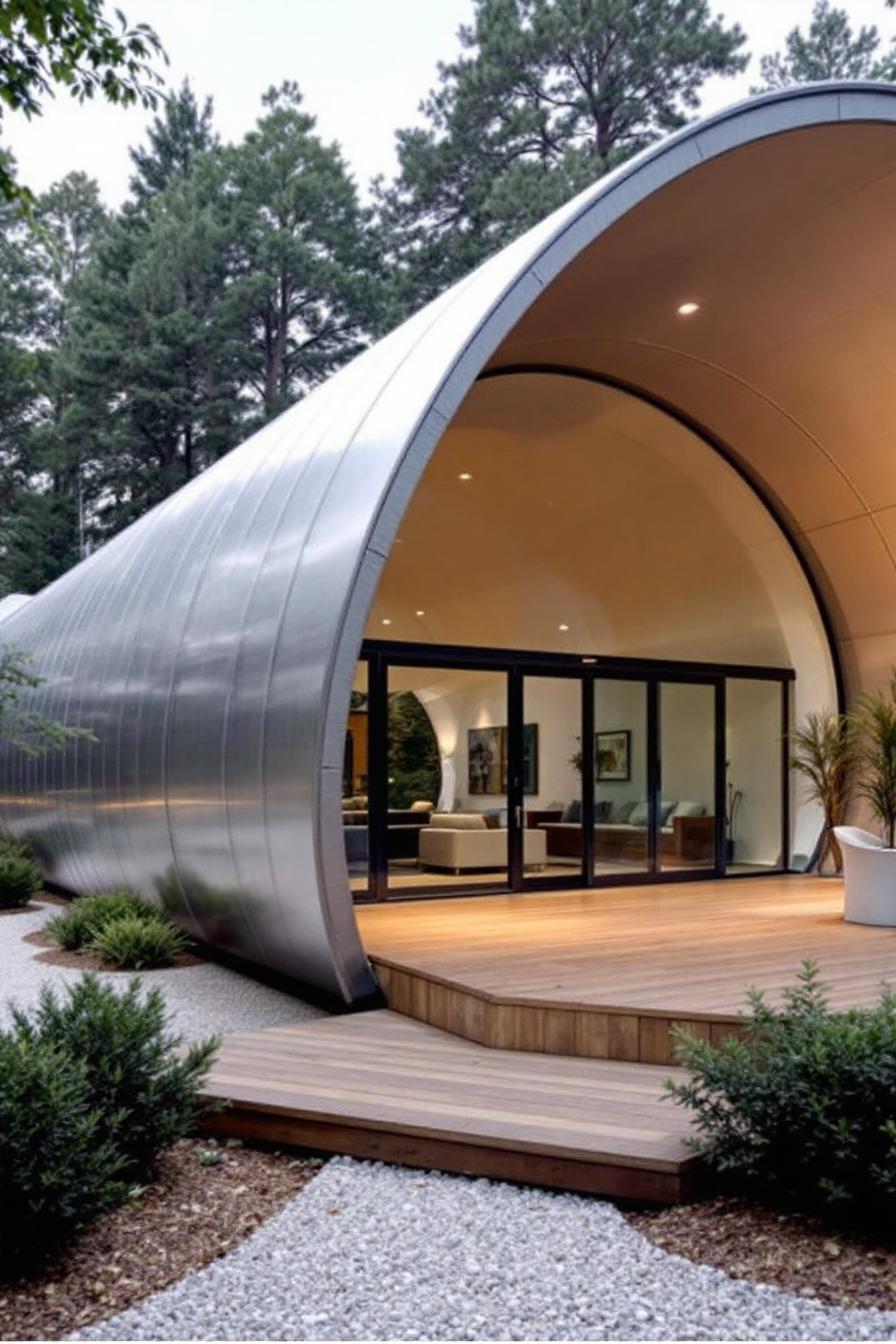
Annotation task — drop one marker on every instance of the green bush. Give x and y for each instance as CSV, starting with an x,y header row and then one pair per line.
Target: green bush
x,y
20,877
56,1171
78,926
146,1094
130,942
802,1108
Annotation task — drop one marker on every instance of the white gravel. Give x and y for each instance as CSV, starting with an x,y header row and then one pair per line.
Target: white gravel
x,y
203,1000
376,1252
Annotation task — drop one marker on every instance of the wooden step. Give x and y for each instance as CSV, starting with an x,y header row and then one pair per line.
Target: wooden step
x,y
380,1085
505,1022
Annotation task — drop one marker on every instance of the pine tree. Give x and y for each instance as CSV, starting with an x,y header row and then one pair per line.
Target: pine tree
x,y
830,49
176,139
546,97
304,284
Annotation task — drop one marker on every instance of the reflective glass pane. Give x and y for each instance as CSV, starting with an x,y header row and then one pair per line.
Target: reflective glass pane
x,y
620,778
552,776
354,785
753,775
686,819
447,778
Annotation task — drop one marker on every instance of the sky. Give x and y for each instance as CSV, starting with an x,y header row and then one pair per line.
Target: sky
x,y
362,65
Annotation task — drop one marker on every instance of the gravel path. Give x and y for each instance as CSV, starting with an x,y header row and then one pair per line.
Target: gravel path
x,y
375,1252
203,1000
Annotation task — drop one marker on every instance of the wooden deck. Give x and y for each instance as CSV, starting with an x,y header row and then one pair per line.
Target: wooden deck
x,y
607,974
383,1086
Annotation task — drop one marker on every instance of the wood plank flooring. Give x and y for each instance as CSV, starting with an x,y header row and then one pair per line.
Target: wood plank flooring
x,y
609,973
381,1085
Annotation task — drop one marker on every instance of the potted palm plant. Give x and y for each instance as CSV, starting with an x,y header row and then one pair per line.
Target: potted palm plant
x,y
875,726
825,751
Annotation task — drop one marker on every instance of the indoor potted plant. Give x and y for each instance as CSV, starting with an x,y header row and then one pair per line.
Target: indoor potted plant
x,y
824,750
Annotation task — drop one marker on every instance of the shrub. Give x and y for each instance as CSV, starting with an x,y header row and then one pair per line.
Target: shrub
x,y
130,942
146,1094
803,1106
56,1171
20,877
78,926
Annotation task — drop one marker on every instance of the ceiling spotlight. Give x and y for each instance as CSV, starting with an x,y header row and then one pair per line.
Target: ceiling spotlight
x,y
419,613
386,621
465,476
686,309
589,660
562,627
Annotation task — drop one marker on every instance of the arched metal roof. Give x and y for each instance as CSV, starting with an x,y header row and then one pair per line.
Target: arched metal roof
x,y
211,646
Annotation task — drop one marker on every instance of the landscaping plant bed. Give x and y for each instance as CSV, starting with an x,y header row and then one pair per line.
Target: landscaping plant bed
x,y
208,1197
791,1251
91,961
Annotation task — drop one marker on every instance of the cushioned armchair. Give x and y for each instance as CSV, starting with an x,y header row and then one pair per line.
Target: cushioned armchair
x,y
462,841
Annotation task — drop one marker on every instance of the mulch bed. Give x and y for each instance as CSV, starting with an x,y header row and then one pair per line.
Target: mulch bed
x,y
91,961
194,1213
797,1253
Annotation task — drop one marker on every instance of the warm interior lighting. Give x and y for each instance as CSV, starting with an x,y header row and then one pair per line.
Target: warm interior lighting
x,y
386,621
420,613
465,476
562,627
686,309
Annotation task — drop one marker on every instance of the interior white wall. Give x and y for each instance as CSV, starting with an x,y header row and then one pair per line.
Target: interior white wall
x,y
620,705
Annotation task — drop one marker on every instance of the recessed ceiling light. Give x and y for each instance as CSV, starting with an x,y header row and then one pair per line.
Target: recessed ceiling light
x,y
420,613
686,309
589,660
386,621
465,476
562,627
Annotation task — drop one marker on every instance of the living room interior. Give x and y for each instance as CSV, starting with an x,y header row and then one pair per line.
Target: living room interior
x,y
579,544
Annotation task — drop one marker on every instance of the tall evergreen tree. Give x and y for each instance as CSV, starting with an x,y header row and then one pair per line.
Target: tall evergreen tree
x,y
303,284
829,49
40,510
175,139
545,98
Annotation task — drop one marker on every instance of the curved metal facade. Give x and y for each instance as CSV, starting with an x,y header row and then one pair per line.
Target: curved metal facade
x,y
211,646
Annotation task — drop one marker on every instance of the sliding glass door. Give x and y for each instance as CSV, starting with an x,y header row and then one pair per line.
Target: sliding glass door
x,y
486,771
689,777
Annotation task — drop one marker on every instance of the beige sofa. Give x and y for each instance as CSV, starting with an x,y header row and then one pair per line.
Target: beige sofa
x,y
462,841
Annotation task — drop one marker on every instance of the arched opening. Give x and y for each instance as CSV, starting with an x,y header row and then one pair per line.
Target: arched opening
x,y
580,561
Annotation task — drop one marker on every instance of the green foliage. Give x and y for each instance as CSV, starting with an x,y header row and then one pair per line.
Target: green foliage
x,y
414,769
77,927
546,96
26,729
131,943
146,1092
830,49
20,877
803,1107
57,1167
72,43
824,750
875,723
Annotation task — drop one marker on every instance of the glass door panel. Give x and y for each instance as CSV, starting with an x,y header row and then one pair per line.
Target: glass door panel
x,y
621,789
552,835
446,815
355,786
686,822
753,814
